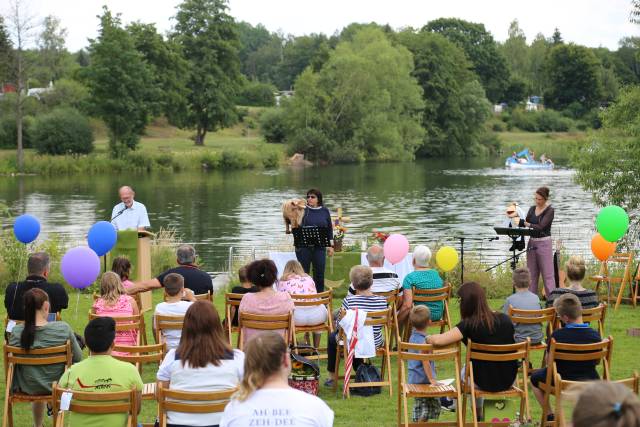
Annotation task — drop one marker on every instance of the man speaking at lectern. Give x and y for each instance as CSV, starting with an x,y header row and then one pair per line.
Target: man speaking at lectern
x,y
129,214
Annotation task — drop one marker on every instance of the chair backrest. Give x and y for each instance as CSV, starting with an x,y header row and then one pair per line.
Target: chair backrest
x,y
633,382
140,354
429,353
596,314
390,296
378,318
625,259
534,317
193,402
231,300
14,355
432,295
310,300
123,323
98,403
264,322
596,352
205,297
163,322
518,352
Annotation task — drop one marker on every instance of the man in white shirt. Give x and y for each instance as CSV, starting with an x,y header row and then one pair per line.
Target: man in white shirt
x,y
384,280
129,214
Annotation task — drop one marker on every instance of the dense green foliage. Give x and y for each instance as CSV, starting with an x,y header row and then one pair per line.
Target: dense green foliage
x,y
257,94
274,126
6,49
362,104
207,36
8,131
63,131
543,121
120,83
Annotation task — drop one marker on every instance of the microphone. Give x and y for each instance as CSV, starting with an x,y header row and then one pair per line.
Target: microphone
x,y
120,213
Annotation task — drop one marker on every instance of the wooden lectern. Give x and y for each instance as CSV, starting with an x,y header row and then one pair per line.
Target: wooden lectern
x,y
136,247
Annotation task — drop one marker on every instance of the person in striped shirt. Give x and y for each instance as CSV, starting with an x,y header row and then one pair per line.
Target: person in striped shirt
x,y
362,278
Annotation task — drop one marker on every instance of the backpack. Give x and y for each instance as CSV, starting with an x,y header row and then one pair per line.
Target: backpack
x,y
367,373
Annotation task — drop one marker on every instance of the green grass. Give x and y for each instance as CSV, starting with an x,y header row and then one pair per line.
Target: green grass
x,y
378,410
556,145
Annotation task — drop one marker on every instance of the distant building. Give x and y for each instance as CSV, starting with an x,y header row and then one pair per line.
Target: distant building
x,y
499,108
283,94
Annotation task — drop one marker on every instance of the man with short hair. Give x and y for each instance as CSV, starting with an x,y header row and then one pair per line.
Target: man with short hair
x,y
384,280
100,373
174,305
38,267
129,214
195,279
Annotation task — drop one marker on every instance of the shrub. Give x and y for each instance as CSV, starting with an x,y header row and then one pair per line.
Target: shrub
x,y
9,136
552,121
257,94
274,125
63,131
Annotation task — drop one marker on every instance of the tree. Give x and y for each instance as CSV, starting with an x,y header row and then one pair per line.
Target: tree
x,y
627,64
52,50
573,77
556,38
6,53
120,83
442,69
209,41
516,51
537,58
481,49
362,104
168,68
299,53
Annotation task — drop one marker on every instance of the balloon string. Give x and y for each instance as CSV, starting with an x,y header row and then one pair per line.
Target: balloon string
x,y
77,304
22,260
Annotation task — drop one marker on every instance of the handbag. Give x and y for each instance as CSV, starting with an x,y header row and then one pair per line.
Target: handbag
x,y
305,374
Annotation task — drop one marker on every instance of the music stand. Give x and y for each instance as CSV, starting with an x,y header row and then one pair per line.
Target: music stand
x,y
311,236
514,233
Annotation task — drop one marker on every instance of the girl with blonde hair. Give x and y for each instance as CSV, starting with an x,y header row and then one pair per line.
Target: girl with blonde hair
x,y
576,271
606,404
114,302
265,398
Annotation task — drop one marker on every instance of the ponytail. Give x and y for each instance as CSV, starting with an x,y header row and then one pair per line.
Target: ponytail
x,y
263,359
33,301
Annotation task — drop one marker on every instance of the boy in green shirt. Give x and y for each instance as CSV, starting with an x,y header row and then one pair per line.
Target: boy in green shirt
x,y
100,373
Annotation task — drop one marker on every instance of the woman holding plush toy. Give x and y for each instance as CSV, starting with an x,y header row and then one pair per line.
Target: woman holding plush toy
x,y
315,215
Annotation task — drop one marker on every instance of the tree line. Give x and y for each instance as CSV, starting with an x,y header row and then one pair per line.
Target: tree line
x,y
366,92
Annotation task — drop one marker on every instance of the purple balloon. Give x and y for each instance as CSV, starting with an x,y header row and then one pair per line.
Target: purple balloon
x,y
80,267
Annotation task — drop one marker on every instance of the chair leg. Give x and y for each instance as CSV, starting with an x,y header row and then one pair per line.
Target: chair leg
x,y
474,408
405,410
463,409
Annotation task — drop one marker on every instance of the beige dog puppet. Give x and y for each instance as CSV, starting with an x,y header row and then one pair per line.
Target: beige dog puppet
x,y
292,212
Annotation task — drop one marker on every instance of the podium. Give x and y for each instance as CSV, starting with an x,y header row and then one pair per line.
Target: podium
x,y
136,247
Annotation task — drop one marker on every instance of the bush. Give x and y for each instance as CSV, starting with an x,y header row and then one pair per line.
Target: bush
x,y
67,93
540,121
274,125
63,131
8,134
257,94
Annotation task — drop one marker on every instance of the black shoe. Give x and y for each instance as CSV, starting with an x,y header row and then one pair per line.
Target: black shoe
x,y
447,404
551,417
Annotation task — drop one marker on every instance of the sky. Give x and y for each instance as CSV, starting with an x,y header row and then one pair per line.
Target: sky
x,y
588,22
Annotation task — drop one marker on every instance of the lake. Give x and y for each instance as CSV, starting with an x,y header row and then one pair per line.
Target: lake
x,y
429,201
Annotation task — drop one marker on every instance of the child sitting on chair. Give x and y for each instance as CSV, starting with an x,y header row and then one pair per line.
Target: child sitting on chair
x,y
524,299
422,372
174,305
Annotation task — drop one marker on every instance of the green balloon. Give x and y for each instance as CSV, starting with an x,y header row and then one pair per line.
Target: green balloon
x,y
612,223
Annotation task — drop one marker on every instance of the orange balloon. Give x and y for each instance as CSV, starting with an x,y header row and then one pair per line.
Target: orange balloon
x,y
601,248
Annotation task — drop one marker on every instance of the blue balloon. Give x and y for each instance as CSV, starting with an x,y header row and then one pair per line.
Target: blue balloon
x,y
102,237
26,228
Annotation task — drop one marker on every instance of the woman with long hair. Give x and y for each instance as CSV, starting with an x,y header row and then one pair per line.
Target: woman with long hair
x,y
483,326
114,302
38,333
203,361
265,398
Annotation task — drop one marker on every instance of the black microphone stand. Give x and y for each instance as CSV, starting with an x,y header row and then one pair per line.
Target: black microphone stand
x,y
473,239
104,257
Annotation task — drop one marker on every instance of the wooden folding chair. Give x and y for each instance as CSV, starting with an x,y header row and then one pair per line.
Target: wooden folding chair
x,y
632,382
393,299
590,315
163,323
17,356
605,275
518,353
426,353
231,306
205,297
192,402
596,352
140,355
324,299
119,402
374,318
544,317
143,326
432,295
126,323
267,322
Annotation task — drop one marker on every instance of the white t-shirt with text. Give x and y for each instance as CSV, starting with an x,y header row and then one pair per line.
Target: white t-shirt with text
x,y
278,407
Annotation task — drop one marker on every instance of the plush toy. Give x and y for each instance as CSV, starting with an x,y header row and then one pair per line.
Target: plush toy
x,y
292,212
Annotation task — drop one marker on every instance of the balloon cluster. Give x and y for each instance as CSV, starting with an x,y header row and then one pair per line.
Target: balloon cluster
x,y
612,223
80,266
396,248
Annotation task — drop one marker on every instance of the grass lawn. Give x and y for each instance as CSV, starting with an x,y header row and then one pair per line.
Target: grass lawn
x,y
378,410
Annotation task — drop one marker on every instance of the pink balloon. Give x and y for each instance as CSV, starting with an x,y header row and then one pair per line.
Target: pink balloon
x,y
396,247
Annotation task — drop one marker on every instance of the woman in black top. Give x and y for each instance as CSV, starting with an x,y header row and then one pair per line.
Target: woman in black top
x,y
483,326
315,215
540,253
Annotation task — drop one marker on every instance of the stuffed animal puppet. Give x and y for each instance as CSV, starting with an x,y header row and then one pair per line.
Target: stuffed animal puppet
x,y
292,212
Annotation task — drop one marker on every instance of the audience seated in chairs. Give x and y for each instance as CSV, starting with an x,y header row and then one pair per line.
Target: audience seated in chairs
x,y
100,373
174,305
607,404
422,277
114,302
295,281
576,271
244,287
38,267
568,310
38,333
265,397
384,280
524,299
204,361
362,278
263,274
483,326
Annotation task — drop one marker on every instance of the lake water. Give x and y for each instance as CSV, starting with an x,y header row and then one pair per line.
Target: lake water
x,y
428,201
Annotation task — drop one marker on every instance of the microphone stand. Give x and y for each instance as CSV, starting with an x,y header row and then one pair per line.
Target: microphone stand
x,y
104,257
474,239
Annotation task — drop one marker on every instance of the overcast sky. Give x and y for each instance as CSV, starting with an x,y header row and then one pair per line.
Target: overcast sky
x,y
587,22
